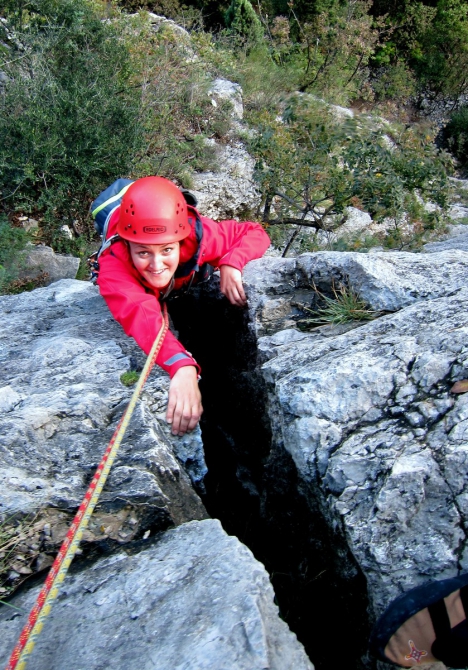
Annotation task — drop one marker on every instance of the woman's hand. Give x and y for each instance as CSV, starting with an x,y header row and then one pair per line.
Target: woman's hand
x,y
184,407
231,285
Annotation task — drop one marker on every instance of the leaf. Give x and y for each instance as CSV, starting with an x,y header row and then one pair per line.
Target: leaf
x,y
460,387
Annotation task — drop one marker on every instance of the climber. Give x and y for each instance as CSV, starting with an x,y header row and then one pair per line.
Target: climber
x,y
156,244
425,625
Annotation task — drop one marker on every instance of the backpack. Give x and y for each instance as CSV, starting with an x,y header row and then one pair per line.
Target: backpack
x,y
105,205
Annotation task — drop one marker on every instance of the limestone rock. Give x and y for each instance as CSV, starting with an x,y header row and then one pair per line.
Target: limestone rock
x,y
229,193
159,22
386,282
456,237
194,599
42,259
456,242
458,211
367,415
356,222
62,355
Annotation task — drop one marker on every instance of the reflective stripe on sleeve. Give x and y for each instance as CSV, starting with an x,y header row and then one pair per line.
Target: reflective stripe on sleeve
x,y
176,358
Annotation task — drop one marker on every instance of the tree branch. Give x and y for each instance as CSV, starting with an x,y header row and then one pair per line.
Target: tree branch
x,y
317,224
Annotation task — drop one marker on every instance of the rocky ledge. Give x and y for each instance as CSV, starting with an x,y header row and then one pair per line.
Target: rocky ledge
x,y
366,411
195,598
345,446
191,597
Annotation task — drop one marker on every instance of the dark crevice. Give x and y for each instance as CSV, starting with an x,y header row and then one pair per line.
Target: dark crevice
x,y
253,488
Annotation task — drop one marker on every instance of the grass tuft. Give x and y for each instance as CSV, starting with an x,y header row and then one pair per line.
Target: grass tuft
x,y
344,307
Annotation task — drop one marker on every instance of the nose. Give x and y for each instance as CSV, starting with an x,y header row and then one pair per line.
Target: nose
x,y
156,262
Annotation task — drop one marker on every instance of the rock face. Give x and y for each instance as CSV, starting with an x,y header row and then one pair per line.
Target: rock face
x,y
194,599
367,415
230,192
62,356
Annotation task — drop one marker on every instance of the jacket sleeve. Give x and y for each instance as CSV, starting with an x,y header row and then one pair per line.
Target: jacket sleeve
x,y
139,313
232,243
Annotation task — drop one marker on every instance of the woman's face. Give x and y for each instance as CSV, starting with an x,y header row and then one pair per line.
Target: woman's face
x,y
155,262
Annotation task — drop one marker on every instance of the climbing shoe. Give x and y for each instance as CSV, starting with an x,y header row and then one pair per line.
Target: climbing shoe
x,y
425,625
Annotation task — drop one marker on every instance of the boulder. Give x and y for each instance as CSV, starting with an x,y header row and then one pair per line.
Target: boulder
x,y
223,89
42,262
62,356
378,439
196,598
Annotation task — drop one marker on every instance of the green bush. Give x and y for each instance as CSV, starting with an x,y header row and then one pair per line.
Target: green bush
x,y
12,245
68,116
310,167
242,22
176,114
456,134
91,96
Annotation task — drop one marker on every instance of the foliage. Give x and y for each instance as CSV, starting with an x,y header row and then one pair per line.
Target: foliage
x,y
14,533
395,82
68,119
343,307
176,115
169,8
242,22
431,38
12,245
336,49
456,134
349,48
90,97
310,167
265,83
361,242
442,58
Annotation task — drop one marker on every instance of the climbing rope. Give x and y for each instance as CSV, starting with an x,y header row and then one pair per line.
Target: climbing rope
x,y
59,569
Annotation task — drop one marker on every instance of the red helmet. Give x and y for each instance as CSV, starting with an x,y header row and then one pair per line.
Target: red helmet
x,y
153,211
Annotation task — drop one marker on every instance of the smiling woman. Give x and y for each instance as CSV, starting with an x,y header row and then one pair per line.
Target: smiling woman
x,y
157,263
161,244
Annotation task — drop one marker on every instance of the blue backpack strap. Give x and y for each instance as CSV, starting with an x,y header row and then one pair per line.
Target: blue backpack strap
x,y
101,210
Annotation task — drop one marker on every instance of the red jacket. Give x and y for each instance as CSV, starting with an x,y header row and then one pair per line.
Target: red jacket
x,y
135,304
